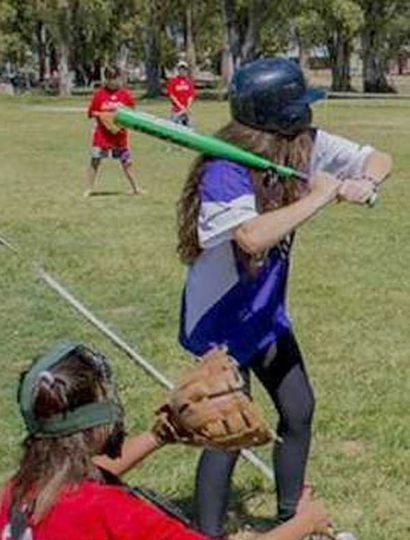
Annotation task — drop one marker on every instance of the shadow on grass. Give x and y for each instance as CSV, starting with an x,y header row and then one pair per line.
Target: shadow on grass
x,y
238,516
105,193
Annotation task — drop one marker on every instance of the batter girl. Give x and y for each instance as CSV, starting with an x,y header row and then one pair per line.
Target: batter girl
x,y
236,229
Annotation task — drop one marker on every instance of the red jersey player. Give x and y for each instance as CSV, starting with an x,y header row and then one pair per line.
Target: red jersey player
x,y
181,90
109,138
64,487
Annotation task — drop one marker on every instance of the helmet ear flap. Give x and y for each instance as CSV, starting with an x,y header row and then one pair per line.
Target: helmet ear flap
x,y
294,118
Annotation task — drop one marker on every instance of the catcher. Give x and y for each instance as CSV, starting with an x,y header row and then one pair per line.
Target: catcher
x,y
107,137
236,230
67,487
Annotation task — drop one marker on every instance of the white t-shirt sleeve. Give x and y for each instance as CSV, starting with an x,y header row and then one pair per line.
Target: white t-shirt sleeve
x,y
227,200
338,156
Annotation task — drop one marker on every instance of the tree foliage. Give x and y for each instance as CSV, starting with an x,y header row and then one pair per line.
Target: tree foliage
x,y
380,19
81,36
334,24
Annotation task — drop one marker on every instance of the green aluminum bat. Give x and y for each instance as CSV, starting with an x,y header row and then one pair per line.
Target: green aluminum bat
x,y
206,144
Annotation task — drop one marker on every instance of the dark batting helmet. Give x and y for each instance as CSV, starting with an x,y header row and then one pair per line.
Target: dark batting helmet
x,y
271,94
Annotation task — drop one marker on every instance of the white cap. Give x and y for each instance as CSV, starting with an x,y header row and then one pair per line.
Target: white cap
x,y
182,64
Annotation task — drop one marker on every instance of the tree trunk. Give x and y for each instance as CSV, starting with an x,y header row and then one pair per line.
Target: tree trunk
x,y
64,71
122,60
303,54
96,72
189,38
64,48
250,42
340,52
42,51
53,58
152,48
228,45
374,63
78,56
401,62
152,63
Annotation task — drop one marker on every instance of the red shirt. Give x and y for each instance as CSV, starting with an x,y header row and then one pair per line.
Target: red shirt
x,y
182,88
105,100
94,511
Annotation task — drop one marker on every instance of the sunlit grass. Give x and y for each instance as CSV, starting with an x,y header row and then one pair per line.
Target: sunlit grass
x,y
349,297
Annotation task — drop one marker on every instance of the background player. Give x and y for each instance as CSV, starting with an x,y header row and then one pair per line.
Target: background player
x,y
108,138
181,91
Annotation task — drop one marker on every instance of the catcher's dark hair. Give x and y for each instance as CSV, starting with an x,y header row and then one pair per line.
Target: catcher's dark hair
x,y
50,464
293,151
111,72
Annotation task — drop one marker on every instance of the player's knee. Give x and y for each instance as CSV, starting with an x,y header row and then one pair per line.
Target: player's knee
x,y
297,417
126,165
95,163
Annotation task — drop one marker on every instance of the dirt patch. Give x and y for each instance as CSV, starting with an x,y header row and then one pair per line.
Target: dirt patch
x,y
123,311
352,448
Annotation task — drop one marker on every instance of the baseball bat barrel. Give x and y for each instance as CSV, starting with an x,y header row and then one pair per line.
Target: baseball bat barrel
x,y
206,144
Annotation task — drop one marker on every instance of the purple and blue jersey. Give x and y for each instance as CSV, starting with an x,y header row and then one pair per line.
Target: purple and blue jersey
x,y
223,303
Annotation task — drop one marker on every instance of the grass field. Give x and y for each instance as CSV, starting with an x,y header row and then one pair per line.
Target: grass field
x,y
349,297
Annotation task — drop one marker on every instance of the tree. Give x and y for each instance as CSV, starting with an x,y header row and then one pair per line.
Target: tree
x,y
197,24
229,43
398,39
189,34
379,17
10,40
16,31
152,25
51,19
62,37
344,20
92,38
242,24
79,35
334,23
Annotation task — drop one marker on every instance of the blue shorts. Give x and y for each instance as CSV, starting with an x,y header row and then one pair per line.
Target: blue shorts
x,y
123,154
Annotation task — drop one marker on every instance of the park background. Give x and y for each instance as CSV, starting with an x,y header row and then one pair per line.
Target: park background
x,y
350,283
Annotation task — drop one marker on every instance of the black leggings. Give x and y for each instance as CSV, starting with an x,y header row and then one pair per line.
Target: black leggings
x,y
282,373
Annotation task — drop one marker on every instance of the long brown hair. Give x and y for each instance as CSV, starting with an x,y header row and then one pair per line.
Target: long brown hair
x,y
291,151
50,464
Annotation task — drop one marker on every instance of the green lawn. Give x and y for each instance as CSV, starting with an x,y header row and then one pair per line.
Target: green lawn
x,y
349,296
